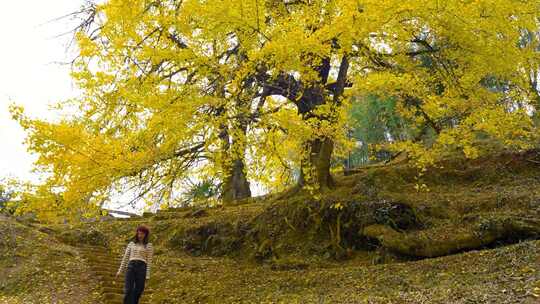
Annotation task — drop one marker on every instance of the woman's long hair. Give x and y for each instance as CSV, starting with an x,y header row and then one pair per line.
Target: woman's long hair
x,y
146,231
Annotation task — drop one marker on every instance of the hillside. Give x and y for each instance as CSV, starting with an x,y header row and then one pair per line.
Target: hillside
x,y
471,236
37,268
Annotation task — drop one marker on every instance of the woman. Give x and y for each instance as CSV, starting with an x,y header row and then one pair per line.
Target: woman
x,y
139,254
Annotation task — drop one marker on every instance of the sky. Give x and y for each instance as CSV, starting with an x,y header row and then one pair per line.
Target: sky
x,y
30,71
31,76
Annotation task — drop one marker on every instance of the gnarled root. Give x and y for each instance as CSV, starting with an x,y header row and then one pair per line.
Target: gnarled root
x,y
443,241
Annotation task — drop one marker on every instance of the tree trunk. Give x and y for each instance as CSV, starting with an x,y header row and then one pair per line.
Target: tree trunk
x,y
315,166
236,185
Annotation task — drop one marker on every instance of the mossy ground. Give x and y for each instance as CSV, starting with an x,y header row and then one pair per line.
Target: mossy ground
x,y
36,268
294,249
504,275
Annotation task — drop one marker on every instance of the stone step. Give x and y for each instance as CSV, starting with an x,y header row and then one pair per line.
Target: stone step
x,y
105,265
120,293
104,272
90,246
102,258
120,301
108,263
131,219
94,249
96,252
120,289
172,215
101,249
109,275
111,279
169,215
91,251
175,209
114,298
188,213
99,255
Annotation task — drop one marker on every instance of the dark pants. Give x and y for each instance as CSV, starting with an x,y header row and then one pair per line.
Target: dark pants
x,y
134,284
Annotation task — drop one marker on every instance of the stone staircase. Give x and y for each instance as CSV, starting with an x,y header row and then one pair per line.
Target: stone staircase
x,y
104,266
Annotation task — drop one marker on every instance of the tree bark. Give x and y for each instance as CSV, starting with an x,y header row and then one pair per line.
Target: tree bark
x,y
236,185
315,167
467,236
315,164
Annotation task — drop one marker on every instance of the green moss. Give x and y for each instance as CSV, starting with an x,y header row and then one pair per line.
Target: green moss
x,y
288,247
83,236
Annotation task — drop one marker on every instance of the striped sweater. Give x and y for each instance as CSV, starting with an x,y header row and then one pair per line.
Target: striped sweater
x,y
137,252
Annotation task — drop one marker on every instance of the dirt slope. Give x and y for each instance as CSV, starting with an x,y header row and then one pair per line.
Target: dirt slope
x,y
471,236
37,268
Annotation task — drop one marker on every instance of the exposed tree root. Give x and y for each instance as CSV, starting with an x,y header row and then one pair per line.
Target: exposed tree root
x,y
438,242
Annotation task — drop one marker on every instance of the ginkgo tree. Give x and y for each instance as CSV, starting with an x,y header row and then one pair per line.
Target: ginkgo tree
x,y
254,90
436,64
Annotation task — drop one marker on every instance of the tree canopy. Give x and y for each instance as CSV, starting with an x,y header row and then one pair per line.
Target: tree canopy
x,y
259,91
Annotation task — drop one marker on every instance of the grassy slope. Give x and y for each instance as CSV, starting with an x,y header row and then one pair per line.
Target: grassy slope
x,y
505,275
36,268
299,270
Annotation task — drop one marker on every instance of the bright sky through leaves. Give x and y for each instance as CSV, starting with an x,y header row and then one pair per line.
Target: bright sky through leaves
x,y
30,74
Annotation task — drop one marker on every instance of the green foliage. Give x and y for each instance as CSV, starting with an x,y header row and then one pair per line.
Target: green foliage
x,y
374,120
201,191
4,198
6,205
